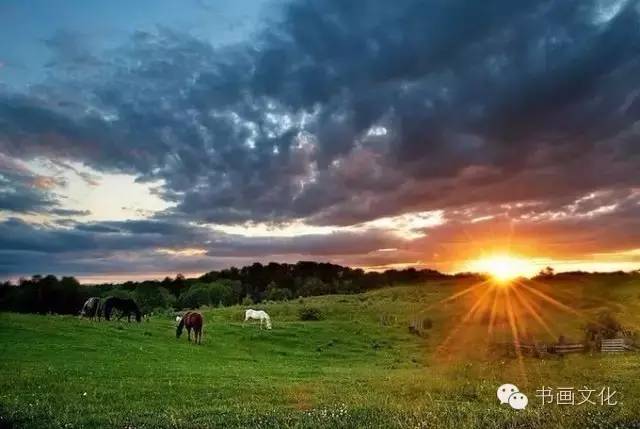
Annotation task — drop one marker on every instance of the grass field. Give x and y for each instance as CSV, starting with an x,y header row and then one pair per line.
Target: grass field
x,y
347,370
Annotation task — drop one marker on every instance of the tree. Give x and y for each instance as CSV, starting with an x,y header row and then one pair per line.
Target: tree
x,y
546,272
313,286
151,297
195,297
221,293
274,293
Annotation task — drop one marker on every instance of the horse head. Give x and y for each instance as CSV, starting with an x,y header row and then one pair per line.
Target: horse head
x,y
264,316
180,327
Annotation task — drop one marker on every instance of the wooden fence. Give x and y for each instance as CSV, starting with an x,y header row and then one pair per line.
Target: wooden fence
x,y
613,346
563,349
537,348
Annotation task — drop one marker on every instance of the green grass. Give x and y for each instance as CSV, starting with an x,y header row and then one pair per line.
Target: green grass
x,y
347,370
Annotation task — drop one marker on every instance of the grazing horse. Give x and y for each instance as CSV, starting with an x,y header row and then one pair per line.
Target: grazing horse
x,y
126,306
191,320
90,308
260,315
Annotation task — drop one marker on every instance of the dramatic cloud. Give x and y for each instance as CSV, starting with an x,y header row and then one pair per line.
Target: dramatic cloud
x,y
335,114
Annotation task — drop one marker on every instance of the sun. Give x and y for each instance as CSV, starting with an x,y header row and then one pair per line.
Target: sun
x,y
503,267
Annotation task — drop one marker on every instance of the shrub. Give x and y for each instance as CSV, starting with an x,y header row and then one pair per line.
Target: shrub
x,y
247,301
310,313
606,326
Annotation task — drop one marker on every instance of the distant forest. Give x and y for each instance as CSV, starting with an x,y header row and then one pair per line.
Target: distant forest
x,y
248,285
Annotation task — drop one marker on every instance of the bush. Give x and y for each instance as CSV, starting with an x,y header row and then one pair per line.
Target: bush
x,y
606,326
247,301
310,313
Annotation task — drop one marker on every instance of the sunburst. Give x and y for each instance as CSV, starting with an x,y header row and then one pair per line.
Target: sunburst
x,y
503,267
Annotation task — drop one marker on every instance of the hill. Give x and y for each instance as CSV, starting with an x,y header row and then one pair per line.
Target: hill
x,y
359,366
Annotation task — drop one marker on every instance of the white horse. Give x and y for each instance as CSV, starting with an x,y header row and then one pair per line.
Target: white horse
x,y
258,315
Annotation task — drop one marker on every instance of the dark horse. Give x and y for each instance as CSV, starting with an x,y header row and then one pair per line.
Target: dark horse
x,y
191,320
90,307
126,306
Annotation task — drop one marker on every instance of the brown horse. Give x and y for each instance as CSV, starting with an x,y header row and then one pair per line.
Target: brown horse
x,y
191,320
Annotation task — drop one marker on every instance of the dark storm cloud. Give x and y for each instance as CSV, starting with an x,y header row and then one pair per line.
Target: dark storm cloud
x,y
325,245
470,94
22,191
103,246
337,113
70,50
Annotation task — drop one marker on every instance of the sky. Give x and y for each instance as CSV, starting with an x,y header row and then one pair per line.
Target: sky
x,y
142,139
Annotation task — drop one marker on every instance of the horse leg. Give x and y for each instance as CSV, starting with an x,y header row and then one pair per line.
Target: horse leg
x,y
189,334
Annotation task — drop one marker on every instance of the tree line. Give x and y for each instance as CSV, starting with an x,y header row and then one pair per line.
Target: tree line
x,y
246,285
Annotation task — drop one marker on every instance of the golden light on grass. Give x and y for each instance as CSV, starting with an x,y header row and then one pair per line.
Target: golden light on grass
x,y
503,267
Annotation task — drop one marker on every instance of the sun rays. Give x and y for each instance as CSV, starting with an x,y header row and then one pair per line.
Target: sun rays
x,y
517,311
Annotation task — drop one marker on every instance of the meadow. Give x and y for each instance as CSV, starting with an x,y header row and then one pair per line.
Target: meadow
x,y
359,366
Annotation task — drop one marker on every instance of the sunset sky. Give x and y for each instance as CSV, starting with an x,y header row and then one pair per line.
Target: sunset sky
x,y
142,139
